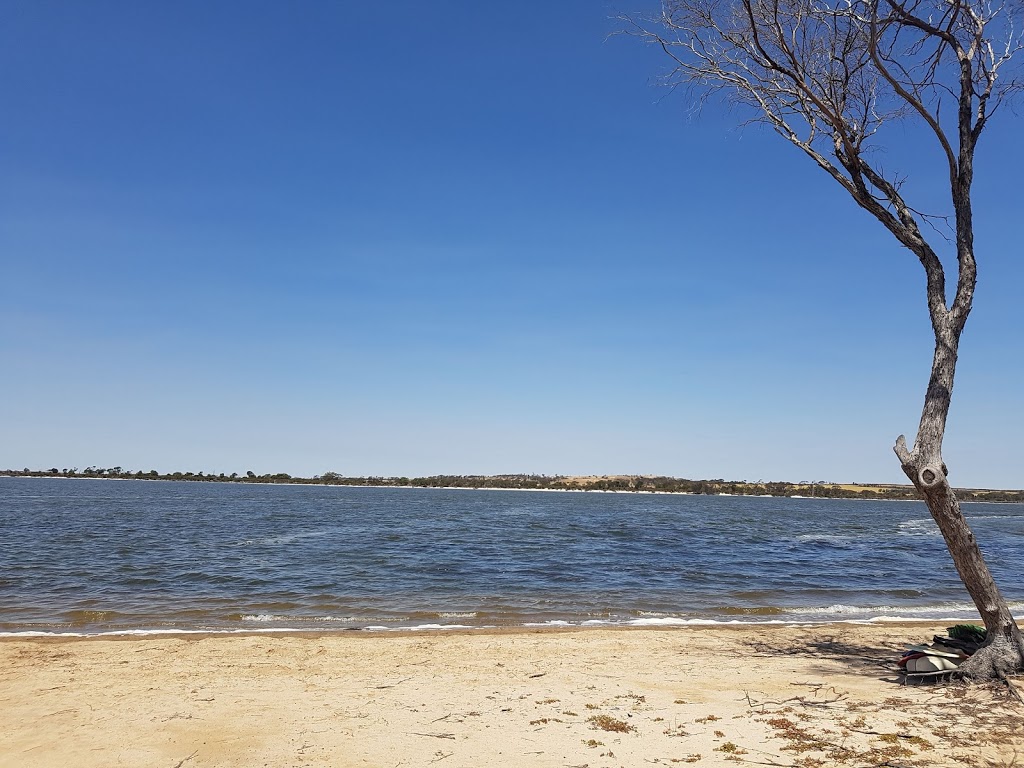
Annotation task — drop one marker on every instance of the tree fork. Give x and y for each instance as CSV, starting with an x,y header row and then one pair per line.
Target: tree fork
x,y
828,77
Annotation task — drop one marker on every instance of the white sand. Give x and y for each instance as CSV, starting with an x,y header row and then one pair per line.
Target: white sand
x,y
767,695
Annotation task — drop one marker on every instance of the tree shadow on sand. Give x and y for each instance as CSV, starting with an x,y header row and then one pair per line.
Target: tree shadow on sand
x,y
861,658
974,725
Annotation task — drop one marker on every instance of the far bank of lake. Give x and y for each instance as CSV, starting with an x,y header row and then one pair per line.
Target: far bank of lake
x,y
614,483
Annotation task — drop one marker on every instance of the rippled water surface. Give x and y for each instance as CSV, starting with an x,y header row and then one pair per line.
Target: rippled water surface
x,y
114,555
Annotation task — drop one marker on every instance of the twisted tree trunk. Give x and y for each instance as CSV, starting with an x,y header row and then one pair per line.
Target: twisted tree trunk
x,y
1003,652
827,77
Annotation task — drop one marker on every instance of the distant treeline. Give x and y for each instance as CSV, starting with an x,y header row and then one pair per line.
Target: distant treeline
x,y
634,483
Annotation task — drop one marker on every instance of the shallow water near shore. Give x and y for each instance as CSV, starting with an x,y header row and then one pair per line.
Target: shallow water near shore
x,y
93,556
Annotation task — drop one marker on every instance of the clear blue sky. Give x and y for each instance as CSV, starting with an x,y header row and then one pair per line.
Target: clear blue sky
x,y
410,238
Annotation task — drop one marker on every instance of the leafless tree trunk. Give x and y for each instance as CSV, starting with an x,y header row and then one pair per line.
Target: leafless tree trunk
x,y
830,76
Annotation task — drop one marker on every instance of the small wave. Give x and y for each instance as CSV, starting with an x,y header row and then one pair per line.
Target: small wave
x,y
356,619
924,526
764,610
672,621
337,619
552,623
287,538
266,618
887,610
149,632
906,593
832,540
654,621
89,617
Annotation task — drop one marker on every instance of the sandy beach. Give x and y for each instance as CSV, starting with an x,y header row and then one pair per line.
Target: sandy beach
x,y
765,695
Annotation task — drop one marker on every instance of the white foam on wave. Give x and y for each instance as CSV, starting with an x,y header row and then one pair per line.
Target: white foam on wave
x,y
902,619
899,613
150,632
655,621
552,623
830,617
285,538
836,613
826,538
856,610
265,618
923,526
674,621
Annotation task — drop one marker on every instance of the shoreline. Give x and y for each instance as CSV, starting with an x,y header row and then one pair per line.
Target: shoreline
x,y
680,625
553,697
884,624
639,492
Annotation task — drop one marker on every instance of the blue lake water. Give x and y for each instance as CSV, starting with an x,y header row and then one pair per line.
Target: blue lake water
x,y
118,555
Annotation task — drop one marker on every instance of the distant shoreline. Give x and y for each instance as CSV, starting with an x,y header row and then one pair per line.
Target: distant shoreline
x,y
526,490
622,484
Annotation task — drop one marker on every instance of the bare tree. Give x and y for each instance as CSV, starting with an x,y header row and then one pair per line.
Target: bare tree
x,y
828,76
